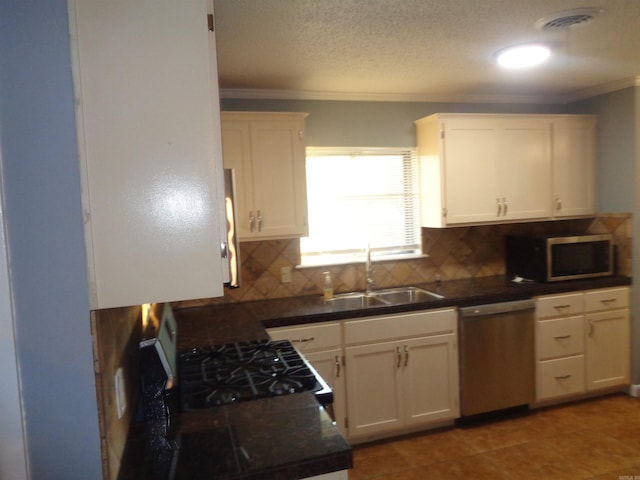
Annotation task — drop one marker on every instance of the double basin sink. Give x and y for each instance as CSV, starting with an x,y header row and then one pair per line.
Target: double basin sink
x,y
391,296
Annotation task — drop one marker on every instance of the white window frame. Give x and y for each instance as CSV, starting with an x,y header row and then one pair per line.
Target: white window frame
x,y
411,203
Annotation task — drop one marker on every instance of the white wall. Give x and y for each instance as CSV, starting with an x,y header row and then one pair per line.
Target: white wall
x,y
44,234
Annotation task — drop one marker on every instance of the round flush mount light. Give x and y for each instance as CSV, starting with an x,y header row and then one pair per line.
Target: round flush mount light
x,y
522,56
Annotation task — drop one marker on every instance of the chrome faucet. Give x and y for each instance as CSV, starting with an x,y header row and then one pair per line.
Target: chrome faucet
x,y
368,271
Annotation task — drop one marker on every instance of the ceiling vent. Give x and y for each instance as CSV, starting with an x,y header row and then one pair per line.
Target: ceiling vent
x,y
568,18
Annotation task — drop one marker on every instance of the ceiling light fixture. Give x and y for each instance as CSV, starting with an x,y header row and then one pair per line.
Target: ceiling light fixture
x,y
522,56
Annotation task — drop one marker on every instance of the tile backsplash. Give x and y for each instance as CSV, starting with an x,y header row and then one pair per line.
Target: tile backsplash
x,y
116,335
451,253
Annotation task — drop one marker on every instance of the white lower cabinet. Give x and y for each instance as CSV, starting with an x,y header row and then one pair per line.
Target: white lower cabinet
x,y
321,344
389,374
607,339
403,383
582,342
560,377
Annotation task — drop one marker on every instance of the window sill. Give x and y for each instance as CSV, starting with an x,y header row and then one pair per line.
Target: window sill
x,y
328,262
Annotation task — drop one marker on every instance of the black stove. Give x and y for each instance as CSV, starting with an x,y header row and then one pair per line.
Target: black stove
x,y
235,372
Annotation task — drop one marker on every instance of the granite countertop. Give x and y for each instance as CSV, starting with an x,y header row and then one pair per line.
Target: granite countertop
x,y
233,322
273,438
283,437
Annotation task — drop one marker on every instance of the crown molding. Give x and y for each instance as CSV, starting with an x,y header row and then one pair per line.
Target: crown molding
x,y
264,94
605,88
259,94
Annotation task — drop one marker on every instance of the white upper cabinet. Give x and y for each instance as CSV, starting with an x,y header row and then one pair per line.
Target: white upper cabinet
x,y
479,169
147,113
267,152
574,165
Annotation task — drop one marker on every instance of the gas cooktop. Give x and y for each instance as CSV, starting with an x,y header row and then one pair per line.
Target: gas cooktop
x,y
222,374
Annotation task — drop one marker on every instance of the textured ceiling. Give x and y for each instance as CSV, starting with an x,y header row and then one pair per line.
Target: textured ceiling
x,y
423,50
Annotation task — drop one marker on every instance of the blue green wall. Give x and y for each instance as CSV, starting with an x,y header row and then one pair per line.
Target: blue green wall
x,y
371,124
45,237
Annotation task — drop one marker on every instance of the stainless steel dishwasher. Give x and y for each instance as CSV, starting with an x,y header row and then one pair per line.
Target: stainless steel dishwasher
x,y
497,364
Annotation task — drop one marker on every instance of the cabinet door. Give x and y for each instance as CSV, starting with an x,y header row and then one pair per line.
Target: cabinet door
x,y
559,377
430,379
320,344
328,363
607,349
279,179
310,338
574,169
373,388
236,152
471,152
525,169
147,150
607,299
565,304
559,337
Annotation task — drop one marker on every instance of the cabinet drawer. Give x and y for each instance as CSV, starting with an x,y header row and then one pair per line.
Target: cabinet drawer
x,y
308,338
556,378
557,305
399,326
608,299
559,337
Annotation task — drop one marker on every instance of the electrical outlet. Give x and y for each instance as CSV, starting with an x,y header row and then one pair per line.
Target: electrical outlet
x,y
285,274
121,394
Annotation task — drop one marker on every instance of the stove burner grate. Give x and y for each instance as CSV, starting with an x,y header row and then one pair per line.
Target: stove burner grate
x,y
222,374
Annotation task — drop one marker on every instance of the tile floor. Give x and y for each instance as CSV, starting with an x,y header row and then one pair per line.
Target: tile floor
x,y
590,439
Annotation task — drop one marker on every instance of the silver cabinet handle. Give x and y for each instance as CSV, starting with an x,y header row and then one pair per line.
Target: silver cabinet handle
x,y
560,307
406,355
562,337
591,328
399,357
502,206
304,340
259,219
558,204
337,366
563,377
608,301
252,221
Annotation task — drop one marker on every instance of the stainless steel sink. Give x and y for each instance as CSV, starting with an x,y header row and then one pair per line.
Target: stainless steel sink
x,y
395,296
391,296
354,301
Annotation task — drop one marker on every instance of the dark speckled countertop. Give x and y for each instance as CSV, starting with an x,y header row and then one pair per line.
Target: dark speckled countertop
x,y
286,437
246,321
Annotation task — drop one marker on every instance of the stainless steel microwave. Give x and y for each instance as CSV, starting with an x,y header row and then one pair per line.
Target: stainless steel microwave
x,y
559,257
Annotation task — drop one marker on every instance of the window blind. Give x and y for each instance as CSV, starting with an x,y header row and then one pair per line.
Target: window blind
x,y
359,197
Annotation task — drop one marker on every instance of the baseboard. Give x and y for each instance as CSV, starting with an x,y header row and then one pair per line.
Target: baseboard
x,y
634,390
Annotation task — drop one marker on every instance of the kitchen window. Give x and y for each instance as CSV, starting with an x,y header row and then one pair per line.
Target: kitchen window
x,y
359,197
